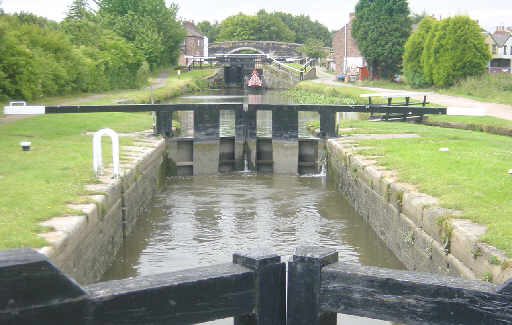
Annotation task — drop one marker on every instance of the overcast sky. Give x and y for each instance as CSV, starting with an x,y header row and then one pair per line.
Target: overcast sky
x,y
332,13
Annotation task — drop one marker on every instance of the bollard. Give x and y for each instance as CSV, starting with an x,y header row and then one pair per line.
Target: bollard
x,y
271,288
304,277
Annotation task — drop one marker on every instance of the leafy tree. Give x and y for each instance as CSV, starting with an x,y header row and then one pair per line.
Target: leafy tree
x,y
79,9
427,56
458,51
210,30
381,28
313,48
413,53
149,24
305,28
270,28
238,27
277,26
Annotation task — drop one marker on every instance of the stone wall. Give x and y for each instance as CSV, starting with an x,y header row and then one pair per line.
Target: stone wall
x,y
422,234
85,245
277,79
275,49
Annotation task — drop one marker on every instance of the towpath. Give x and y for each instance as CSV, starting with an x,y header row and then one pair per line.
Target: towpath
x,y
155,83
493,109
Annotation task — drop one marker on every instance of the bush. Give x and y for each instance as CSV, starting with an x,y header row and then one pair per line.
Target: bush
x,y
412,60
459,51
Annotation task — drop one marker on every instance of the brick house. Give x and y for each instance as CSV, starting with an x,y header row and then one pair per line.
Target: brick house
x,y
346,52
500,46
195,44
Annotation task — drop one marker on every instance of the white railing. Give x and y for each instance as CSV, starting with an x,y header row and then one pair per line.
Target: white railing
x,y
97,160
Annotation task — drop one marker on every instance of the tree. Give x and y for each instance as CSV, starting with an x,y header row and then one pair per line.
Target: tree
x,y
79,9
270,28
313,48
458,51
305,28
239,27
381,28
209,30
413,53
148,24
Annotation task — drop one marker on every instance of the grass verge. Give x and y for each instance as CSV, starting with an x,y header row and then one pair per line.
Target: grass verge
x,y
471,177
37,185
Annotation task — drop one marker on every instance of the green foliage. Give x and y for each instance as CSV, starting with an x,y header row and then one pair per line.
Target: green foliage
x,y
413,61
210,30
262,27
305,28
148,24
86,52
458,51
313,48
381,28
276,26
427,57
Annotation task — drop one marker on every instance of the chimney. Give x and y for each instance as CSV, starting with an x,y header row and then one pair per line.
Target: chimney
x,y
351,16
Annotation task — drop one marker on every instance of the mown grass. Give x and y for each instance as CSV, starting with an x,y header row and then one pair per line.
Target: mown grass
x,y
472,177
37,185
476,120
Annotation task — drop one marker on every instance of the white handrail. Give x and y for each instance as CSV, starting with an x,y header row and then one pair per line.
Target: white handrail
x,y
284,65
97,160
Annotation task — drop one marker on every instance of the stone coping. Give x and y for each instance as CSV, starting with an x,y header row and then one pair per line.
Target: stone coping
x,y
67,233
459,237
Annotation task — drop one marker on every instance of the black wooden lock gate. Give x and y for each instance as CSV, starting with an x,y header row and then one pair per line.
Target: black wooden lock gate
x,y
252,289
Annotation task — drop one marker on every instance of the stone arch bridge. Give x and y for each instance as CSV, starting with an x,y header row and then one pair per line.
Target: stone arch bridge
x,y
275,49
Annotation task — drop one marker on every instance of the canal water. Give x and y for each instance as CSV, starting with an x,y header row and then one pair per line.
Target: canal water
x,y
203,220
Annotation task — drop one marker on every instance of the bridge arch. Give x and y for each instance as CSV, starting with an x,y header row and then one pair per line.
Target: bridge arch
x,y
275,49
246,48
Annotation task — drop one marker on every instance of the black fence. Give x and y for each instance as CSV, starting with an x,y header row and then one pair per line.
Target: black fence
x,y
252,289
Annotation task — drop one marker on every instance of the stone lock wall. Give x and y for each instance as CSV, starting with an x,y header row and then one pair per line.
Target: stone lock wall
x,y
423,235
85,245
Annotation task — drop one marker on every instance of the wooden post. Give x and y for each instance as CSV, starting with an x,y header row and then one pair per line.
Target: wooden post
x,y
34,291
328,124
270,283
304,279
164,123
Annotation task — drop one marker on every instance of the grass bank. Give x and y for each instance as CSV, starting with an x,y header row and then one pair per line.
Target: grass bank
x,y
38,184
310,92
493,88
472,177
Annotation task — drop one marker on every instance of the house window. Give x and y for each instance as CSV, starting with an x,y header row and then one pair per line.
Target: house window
x,y
504,50
494,49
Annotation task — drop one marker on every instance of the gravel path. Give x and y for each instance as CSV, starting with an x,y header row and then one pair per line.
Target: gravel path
x,y
493,109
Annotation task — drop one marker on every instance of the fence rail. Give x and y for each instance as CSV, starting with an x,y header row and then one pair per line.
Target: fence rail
x,y
252,289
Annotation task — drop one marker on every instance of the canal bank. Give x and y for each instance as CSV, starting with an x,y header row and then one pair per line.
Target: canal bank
x,y
421,233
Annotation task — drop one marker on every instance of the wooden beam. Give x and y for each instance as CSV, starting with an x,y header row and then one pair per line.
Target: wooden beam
x,y
410,297
186,297
34,291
